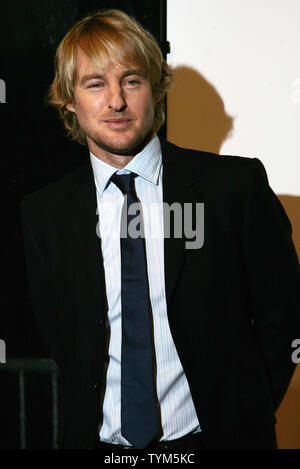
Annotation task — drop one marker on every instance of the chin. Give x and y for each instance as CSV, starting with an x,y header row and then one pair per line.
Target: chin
x,y
122,146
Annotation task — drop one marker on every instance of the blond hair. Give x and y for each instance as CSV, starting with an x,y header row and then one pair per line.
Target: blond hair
x,y
108,36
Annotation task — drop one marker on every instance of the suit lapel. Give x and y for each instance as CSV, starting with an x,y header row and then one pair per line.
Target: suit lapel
x,y
178,187
82,222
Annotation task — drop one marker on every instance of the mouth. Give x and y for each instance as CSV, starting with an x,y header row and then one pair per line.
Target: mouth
x,y
118,123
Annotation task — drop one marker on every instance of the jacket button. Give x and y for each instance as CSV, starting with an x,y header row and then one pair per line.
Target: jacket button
x,y
96,384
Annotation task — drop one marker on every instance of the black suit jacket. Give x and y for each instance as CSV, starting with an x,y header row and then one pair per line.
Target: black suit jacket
x,y
233,304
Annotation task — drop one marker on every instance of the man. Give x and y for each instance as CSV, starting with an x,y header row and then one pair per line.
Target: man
x,y
161,344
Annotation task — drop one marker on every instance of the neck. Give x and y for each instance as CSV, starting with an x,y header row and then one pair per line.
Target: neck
x,y
115,160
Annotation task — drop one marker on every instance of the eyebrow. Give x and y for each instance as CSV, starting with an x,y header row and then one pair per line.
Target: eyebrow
x,y
92,76
99,76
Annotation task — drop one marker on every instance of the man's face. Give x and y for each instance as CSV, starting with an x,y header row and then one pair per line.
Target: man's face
x,y
114,107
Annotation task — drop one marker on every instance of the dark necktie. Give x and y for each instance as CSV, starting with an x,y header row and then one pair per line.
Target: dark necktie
x,y
139,418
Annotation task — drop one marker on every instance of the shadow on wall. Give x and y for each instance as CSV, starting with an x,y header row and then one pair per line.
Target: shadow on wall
x,y
197,119
196,114
291,205
288,414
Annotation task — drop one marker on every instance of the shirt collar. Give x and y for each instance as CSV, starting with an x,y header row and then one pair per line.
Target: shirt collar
x,y
146,164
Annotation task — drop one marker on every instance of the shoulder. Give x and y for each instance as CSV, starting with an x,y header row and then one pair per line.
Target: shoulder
x,y
51,195
204,157
213,166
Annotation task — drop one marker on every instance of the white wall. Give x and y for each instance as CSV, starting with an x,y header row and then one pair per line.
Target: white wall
x,y
249,50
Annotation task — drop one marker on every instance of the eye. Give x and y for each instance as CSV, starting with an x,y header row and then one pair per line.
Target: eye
x,y
133,82
95,85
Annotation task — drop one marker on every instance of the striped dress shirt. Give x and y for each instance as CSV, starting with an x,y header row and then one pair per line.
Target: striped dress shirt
x,y
178,415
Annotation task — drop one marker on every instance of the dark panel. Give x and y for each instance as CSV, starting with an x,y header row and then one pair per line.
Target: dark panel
x,y
34,152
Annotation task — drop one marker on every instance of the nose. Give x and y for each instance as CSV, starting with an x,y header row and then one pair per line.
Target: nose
x,y
117,100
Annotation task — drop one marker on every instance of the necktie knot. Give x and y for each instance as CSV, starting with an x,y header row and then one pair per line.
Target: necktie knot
x,y
125,182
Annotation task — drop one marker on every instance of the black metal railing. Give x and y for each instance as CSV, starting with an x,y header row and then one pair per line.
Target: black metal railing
x,y
30,413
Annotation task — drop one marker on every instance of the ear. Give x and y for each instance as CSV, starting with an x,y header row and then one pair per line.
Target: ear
x,y
70,107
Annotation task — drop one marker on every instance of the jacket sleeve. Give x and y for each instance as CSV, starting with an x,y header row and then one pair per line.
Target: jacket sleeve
x,y
39,288
273,275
